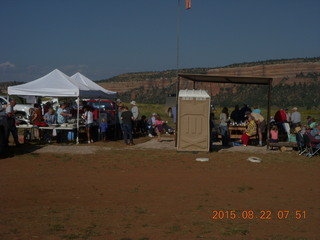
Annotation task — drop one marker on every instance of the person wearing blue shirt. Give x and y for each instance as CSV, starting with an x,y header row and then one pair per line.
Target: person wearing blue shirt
x,y
103,128
49,117
62,114
256,110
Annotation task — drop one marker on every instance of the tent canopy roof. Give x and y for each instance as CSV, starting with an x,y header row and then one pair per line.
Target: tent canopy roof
x,y
58,84
83,80
226,79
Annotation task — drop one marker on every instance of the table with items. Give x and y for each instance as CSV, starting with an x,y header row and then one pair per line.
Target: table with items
x,y
236,130
63,133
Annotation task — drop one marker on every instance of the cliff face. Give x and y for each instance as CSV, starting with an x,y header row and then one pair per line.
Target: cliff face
x,y
126,86
283,72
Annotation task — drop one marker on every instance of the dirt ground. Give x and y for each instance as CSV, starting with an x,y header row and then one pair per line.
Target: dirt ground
x,y
149,191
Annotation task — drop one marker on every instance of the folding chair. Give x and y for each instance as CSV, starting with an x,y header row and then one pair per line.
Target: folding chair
x,y
308,148
314,146
300,143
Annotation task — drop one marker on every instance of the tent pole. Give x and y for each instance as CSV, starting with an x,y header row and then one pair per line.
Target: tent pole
x,y
78,115
99,119
268,115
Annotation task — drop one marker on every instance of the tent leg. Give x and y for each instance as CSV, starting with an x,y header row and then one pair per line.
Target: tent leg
x,y
78,115
268,114
99,135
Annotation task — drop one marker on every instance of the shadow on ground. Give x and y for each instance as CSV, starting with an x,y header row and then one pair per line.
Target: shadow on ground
x,y
22,149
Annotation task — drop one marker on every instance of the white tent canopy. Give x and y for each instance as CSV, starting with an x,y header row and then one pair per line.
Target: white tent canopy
x,y
58,84
83,80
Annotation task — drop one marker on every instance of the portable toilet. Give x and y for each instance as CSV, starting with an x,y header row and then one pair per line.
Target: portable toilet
x,y
193,121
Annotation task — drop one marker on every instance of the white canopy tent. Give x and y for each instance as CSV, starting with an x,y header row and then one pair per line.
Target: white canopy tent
x,y
83,80
58,84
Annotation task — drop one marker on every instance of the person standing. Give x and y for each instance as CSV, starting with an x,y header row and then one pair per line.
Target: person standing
x,y
3,131
295,118
158,126
256,109
49,118
174,114
88,117
127,118
12,123
120,111
103,129
62,115
235,115
243,111
135,112
288,115
261,123
152,124
223,126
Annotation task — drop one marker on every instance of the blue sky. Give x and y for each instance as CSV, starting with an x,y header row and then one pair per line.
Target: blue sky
x,y
103,38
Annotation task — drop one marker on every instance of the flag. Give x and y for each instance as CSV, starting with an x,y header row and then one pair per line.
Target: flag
x,y
188,4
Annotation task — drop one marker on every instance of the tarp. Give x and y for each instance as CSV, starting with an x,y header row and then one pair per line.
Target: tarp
x,y
78,78
56,84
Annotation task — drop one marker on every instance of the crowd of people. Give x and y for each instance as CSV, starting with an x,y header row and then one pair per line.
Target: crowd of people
x,y
127,123
284,125
130,123
251,119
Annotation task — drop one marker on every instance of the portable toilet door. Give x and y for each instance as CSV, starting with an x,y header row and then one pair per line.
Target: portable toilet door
x,y
193,121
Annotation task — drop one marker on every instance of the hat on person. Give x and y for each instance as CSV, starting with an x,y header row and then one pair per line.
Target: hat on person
x,y
118,100
133,103
153,114
295,108
297,129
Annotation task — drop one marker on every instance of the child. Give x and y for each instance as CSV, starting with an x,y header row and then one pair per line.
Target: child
x,y
251,130
274,134
292,136
103,129
158,127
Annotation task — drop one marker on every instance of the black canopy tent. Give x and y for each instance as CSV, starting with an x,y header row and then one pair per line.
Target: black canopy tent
x,y
208,78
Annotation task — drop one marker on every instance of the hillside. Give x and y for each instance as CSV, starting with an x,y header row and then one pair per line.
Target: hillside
x,y
295,82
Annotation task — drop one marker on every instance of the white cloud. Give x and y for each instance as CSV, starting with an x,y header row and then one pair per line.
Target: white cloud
x,y
6,65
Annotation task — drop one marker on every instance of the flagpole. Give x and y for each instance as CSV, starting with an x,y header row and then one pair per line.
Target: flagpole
x,y
177,66
178,35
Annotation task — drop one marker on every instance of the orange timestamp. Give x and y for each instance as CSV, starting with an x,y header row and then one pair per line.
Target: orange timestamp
x,y
261,215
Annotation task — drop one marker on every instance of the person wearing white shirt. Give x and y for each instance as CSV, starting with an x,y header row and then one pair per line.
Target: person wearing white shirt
x,y
135,112
295,118
88,117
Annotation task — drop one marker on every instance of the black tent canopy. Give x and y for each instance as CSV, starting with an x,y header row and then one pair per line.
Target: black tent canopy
x,y
226,79
209,78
